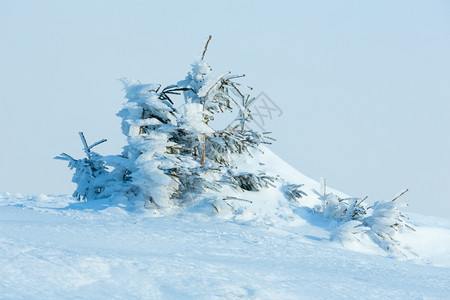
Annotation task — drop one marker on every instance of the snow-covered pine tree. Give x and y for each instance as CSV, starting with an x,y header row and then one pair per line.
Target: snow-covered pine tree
x,y
342,209
174,157
348,212
384,221
149,122
380,221
91,174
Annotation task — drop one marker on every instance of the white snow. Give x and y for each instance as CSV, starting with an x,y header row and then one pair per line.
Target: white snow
x,y
54,247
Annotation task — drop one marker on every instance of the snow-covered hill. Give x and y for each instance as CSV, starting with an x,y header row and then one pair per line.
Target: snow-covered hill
x,y
54,247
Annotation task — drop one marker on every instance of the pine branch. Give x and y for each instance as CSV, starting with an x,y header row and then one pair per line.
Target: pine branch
x,y
97,143
64,156
85,145
235,77
87,149
212,86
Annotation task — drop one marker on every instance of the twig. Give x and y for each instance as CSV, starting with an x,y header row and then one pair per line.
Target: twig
x,y
234,86
363,199
399,195
231,206
206,46
235,198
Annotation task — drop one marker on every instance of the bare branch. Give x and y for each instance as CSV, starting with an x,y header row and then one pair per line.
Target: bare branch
x,y
206,46
236,198
237,90
230,206
363,199
399,195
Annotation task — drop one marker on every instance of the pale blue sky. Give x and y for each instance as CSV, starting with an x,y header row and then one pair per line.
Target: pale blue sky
x,y
364,86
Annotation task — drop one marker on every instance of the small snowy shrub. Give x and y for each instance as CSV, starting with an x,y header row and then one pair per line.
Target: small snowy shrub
x,y
334,207
380,221
90,172
385,221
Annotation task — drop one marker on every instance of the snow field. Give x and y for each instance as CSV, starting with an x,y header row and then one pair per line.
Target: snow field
x,y
53,247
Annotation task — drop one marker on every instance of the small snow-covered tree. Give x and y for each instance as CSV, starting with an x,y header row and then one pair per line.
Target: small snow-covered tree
x,y
342,209
380,221
173,156
385,221
91,174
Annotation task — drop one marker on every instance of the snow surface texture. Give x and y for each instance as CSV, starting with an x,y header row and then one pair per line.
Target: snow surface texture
x,y
54,247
